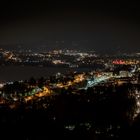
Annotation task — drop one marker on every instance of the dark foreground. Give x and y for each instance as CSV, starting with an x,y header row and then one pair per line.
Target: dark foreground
x,y
101,114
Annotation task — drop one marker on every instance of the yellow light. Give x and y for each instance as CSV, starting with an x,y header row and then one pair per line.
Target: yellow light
x,y
28,98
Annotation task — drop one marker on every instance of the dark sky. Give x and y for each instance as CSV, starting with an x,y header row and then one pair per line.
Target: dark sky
x,y
103,25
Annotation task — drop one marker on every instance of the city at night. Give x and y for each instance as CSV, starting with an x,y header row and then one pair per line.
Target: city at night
x,y
69,70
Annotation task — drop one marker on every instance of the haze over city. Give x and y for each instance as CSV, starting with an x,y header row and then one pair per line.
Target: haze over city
x,y
102,26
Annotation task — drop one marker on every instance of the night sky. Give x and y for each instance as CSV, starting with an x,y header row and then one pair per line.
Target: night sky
x,y
102,26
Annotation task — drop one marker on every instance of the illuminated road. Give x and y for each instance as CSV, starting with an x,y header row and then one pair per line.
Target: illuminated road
x,y
38,93
78,78
45,91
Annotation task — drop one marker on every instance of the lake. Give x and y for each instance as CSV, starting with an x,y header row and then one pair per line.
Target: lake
x,y
13,73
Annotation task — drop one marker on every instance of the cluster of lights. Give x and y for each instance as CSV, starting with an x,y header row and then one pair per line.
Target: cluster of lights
x,y
126,62
119,62
57,62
